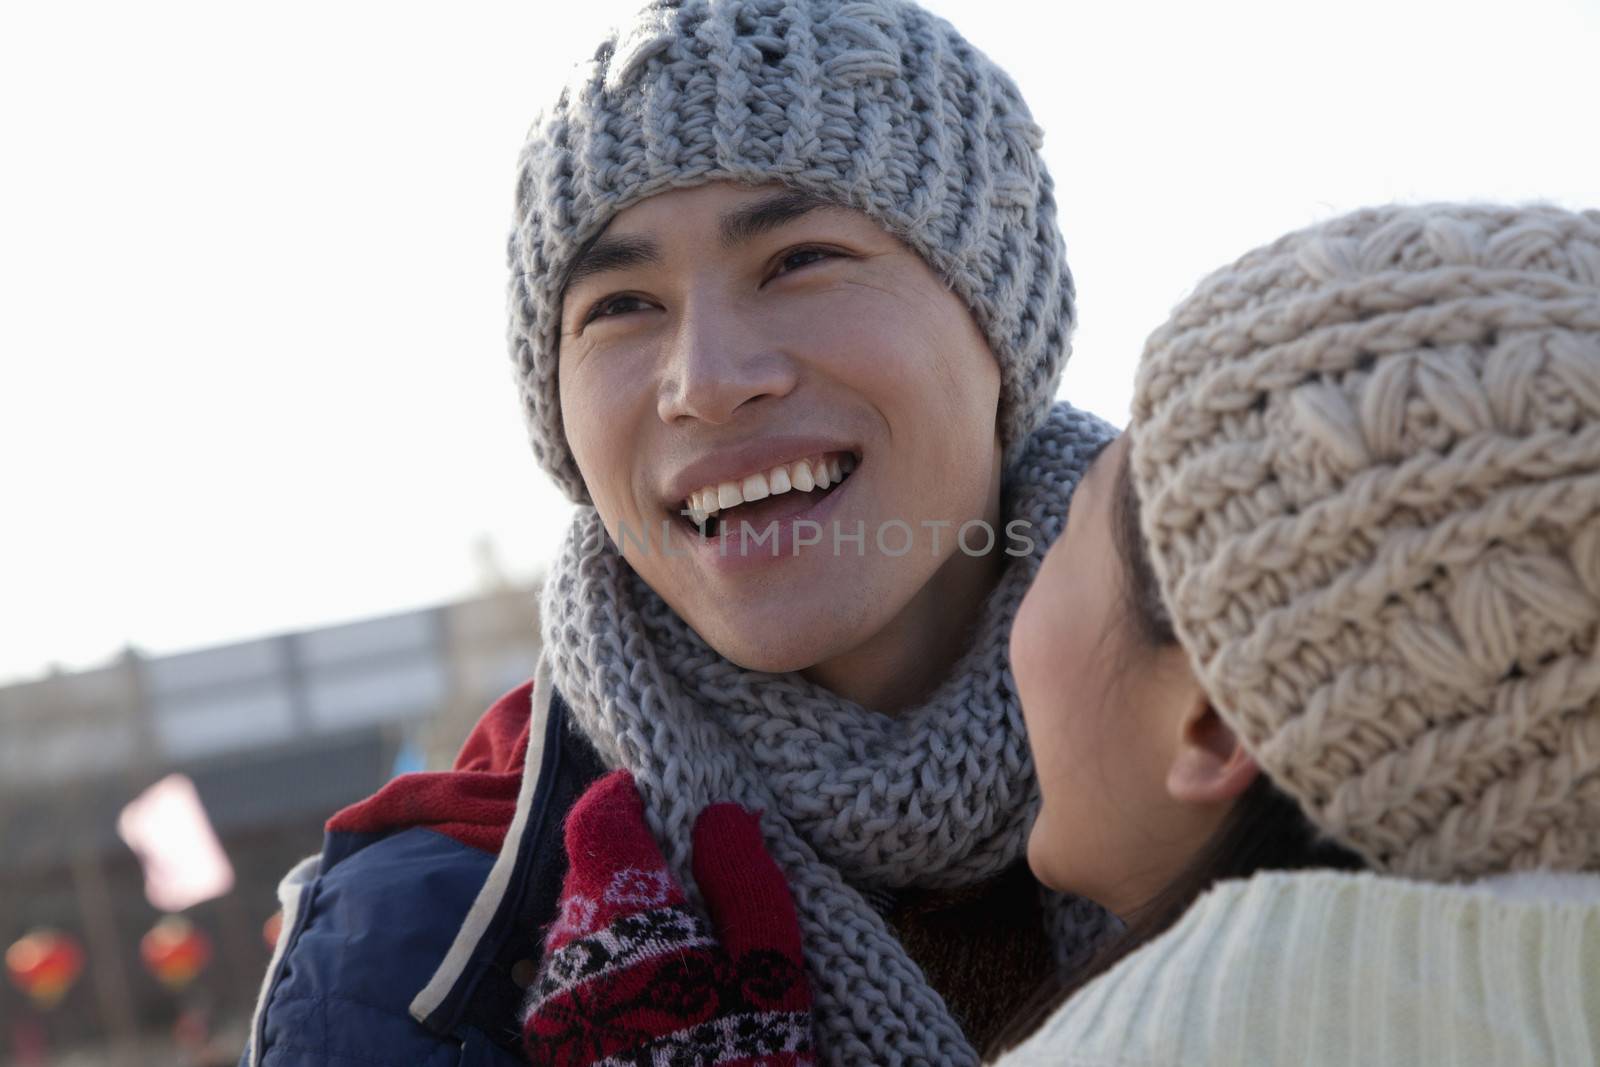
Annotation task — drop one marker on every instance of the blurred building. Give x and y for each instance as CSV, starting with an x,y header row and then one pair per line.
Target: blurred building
x,y
277,734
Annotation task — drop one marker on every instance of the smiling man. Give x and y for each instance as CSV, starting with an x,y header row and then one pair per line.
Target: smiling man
x,y
789,305
781,414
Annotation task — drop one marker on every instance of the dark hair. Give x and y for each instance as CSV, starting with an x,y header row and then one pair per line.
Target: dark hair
x,y
1264,830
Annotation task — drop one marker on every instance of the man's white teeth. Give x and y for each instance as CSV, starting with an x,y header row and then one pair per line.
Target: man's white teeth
x,y
817,472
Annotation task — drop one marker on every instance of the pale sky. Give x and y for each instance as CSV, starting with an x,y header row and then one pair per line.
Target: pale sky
x,y
252,361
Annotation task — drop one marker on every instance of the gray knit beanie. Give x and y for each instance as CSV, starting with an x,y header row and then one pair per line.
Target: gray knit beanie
x,y
1368,463
876,105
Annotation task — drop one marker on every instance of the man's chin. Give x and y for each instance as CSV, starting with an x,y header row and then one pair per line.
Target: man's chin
x,y
808,617
779,641
769,657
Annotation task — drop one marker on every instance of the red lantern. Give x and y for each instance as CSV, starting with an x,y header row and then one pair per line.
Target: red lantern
x,y
271,930
175,951
44,964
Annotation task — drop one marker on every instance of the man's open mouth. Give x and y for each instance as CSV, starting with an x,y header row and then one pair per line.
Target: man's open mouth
x,y
768,495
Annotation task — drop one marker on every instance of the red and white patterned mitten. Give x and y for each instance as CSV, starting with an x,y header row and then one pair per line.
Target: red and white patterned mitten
x,y
632,975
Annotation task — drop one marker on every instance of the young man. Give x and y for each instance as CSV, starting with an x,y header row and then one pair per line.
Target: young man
x,y
789,306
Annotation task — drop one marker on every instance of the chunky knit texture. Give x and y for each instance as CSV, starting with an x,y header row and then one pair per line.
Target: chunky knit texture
x,y
1332,968
1368,460
938,796
878,106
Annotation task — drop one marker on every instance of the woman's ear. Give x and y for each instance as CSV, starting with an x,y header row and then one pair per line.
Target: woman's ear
x,y
1210,764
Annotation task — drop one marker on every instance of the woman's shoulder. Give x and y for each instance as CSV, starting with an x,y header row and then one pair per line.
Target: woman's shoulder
x,y
1328,966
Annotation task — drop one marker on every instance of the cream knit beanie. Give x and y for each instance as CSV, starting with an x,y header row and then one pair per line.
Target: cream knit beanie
x,y
873,104
1368,462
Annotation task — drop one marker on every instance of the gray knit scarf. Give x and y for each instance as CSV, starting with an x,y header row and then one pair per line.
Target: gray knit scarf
x,y
940,795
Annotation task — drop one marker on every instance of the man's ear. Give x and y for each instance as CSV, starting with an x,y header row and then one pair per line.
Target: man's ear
x,y
1210,764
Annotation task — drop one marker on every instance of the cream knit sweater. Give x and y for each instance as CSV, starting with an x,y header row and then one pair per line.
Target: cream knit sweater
x,y
1350,969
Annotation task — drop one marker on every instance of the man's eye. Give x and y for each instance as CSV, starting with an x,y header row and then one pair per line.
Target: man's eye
x,y
801,257
613,306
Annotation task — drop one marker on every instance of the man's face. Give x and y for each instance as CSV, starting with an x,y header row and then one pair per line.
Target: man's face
x,y
724,340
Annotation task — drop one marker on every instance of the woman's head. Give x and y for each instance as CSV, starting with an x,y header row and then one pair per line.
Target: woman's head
x,y
1366,460
1136,769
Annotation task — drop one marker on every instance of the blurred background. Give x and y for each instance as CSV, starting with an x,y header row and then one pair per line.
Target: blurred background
x,y
273,531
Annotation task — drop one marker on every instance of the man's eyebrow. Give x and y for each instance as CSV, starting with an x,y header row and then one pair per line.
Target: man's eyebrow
x,y
766,214
603,253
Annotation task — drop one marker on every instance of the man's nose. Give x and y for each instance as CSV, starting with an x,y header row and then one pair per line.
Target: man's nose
x,y
718,361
